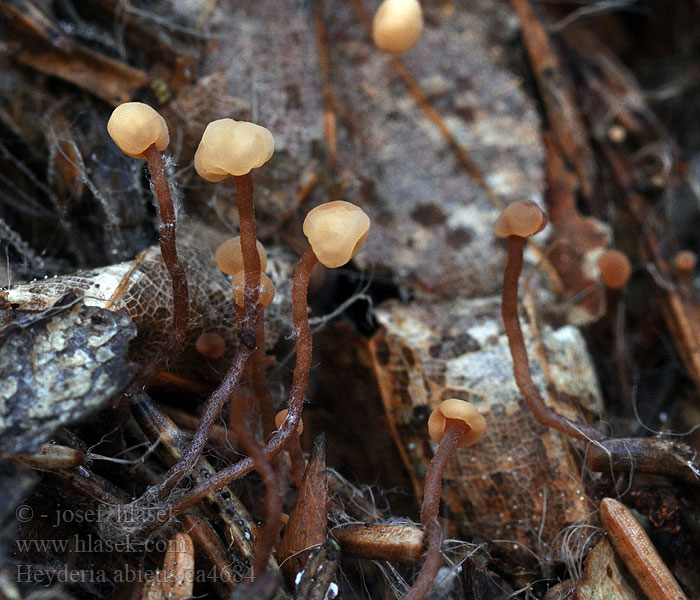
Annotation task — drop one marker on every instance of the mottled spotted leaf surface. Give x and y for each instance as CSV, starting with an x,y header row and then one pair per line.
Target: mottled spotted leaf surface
x,y
431,221
142,289
59,368
521,481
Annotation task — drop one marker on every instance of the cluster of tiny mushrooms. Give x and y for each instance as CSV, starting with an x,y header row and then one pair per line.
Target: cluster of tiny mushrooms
x,y
336,231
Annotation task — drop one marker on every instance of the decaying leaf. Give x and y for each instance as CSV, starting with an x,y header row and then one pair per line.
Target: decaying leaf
x,y
306,528
431,221
606,578
142,289
58,368
520,484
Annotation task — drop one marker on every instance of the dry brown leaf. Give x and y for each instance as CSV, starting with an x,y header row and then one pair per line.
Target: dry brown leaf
x,y
606,578
306,528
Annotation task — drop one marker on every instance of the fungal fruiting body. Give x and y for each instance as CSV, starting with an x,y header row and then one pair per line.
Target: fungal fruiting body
x,y
397,25
615,269
229,256
518,221
266,292
461,411
685,262
282,415
231,147
134,126
521,219
452,424
210,345
140,132
336,231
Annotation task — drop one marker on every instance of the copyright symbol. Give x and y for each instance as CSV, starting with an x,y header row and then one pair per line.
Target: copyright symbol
x,y
24,513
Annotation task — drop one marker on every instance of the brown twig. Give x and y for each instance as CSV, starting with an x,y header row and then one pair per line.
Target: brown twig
x,y
646,455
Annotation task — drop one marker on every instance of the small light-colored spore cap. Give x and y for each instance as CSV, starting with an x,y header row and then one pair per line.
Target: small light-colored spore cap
x,y
229,256
280,418
460,410
336,232
135,126
523,218
211,345
397,25
615,269
231,147
266,293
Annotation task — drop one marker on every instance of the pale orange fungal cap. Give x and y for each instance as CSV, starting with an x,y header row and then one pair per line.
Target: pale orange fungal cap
x,y
231,147
460,410
615,269
267,289
135,126
685,261
210,345
282,415
229,256
397,25
336,231
523,219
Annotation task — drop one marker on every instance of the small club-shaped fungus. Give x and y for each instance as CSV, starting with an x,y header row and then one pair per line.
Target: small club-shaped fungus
x,y
615,269
459,410
282,415
336,232
231,147
267,289
229,256
397,25
523,219
210,345
135,127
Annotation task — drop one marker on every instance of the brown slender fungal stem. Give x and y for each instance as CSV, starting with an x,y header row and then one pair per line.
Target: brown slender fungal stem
x,y
433,559
521,364
251,258
253,313
296,459
213,408
432,490
633,545
294,451
296,398
168,246
453,424
273,499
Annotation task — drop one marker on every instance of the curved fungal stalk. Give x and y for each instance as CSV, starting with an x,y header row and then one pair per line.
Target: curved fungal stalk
x,y
517,222
140,132
453,424
232,149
